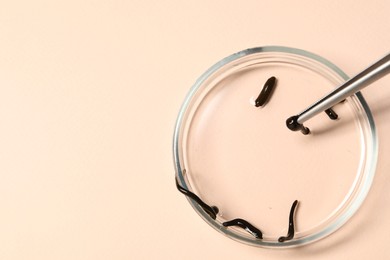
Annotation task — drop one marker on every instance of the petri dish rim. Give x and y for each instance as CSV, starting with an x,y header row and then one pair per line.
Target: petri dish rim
x,y
371,150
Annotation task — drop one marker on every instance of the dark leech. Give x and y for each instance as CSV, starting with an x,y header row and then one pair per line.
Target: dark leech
x,y
331,114
211,211
245,225
293,125
291,228
266,92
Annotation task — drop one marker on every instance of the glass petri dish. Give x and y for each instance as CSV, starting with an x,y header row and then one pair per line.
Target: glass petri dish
x,y
243,159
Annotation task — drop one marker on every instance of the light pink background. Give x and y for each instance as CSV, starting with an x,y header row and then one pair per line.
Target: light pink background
x,y
89,94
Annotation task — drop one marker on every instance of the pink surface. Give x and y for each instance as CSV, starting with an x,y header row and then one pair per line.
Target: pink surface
x,y
89,96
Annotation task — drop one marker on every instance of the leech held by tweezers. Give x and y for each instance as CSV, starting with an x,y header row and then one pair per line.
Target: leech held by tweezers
x,y
211,211
293,125
266,92
245,225
291,228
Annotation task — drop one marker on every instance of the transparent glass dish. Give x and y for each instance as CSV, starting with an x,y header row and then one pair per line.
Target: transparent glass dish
x,y
245,161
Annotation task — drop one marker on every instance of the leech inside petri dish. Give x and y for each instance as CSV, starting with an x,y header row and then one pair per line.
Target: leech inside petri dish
x,y
266,92
212,211
291,225
246,226
331,114
292,124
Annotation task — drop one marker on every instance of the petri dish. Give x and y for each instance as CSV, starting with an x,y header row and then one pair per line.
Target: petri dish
x,y
245,161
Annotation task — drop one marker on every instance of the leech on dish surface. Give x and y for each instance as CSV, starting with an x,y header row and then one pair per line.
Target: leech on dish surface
x,y
212,211
266,92
291,224
245,225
